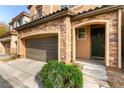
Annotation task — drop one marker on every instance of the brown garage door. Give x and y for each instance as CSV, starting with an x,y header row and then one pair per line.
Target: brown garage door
x,y
42,49
7,47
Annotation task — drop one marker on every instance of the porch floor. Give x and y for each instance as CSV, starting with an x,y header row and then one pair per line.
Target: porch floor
x,y
94,73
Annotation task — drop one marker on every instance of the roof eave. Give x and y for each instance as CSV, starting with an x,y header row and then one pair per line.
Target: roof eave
x,y
5,34
21,15
96,12
46,19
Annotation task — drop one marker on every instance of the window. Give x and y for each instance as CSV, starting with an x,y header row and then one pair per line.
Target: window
x,y
80,33
67,6
19,22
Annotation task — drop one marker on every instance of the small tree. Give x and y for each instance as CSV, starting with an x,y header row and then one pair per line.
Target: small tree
x,y
3,28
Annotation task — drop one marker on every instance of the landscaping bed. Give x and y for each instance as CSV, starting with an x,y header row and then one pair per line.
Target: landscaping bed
x,y
116,77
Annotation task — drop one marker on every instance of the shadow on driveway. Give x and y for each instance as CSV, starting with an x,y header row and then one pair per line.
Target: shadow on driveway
x,y
4,83
38,81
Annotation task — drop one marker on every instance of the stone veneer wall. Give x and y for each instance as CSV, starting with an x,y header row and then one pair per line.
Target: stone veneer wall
x,y
65,40
112,17
60,26
13,45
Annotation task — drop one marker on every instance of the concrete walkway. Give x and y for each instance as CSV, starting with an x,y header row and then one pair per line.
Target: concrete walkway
x,y
94,74
20,73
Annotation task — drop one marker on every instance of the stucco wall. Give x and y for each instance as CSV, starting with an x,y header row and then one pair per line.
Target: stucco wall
x,y
50,8
83,48
80,8
47,9
112,18
32,11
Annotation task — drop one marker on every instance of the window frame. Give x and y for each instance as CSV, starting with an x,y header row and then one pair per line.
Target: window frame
x,y
77,33
18,21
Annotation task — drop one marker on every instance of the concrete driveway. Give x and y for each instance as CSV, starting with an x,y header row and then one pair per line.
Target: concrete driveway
x,y
20,73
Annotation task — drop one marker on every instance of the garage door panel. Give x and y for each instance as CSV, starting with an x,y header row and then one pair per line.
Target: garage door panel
x,y
42,49
36,54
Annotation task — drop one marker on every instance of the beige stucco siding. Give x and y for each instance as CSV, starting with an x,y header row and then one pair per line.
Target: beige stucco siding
x,y
83,48
81,8
55,8
32,10
47,9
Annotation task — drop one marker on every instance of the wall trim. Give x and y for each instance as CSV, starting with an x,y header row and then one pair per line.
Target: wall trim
x,y
119,37
36,34
59,47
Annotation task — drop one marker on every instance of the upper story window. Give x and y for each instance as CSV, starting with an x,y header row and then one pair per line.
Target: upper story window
x,y
67,6
19,22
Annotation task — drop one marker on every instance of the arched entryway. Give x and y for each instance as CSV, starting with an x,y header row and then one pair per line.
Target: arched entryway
x,y
91,40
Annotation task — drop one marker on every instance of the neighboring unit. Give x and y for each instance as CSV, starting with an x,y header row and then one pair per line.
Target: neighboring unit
x,y
8,40
8,43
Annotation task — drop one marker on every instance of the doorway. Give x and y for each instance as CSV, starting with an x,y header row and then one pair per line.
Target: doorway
x,y
98,42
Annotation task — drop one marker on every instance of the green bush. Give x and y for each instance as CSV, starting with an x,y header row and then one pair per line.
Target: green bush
x,y
58,75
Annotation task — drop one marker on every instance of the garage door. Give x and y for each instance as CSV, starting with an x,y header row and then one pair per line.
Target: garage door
x,y
7,47
42,49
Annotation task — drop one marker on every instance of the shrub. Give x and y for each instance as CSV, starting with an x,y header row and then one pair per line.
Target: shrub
x,y
58,75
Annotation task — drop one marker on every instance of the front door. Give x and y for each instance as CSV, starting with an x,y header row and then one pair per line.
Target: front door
x,y
98,42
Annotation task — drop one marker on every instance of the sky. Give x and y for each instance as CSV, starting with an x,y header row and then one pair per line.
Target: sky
x,y
7,12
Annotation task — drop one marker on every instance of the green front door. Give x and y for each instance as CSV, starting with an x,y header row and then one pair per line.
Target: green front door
x,y
98,42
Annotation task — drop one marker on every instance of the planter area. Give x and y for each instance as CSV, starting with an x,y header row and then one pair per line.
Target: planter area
x,y
116,77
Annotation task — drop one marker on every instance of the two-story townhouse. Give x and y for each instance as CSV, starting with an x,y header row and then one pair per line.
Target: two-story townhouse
x,y
32,46
8,40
